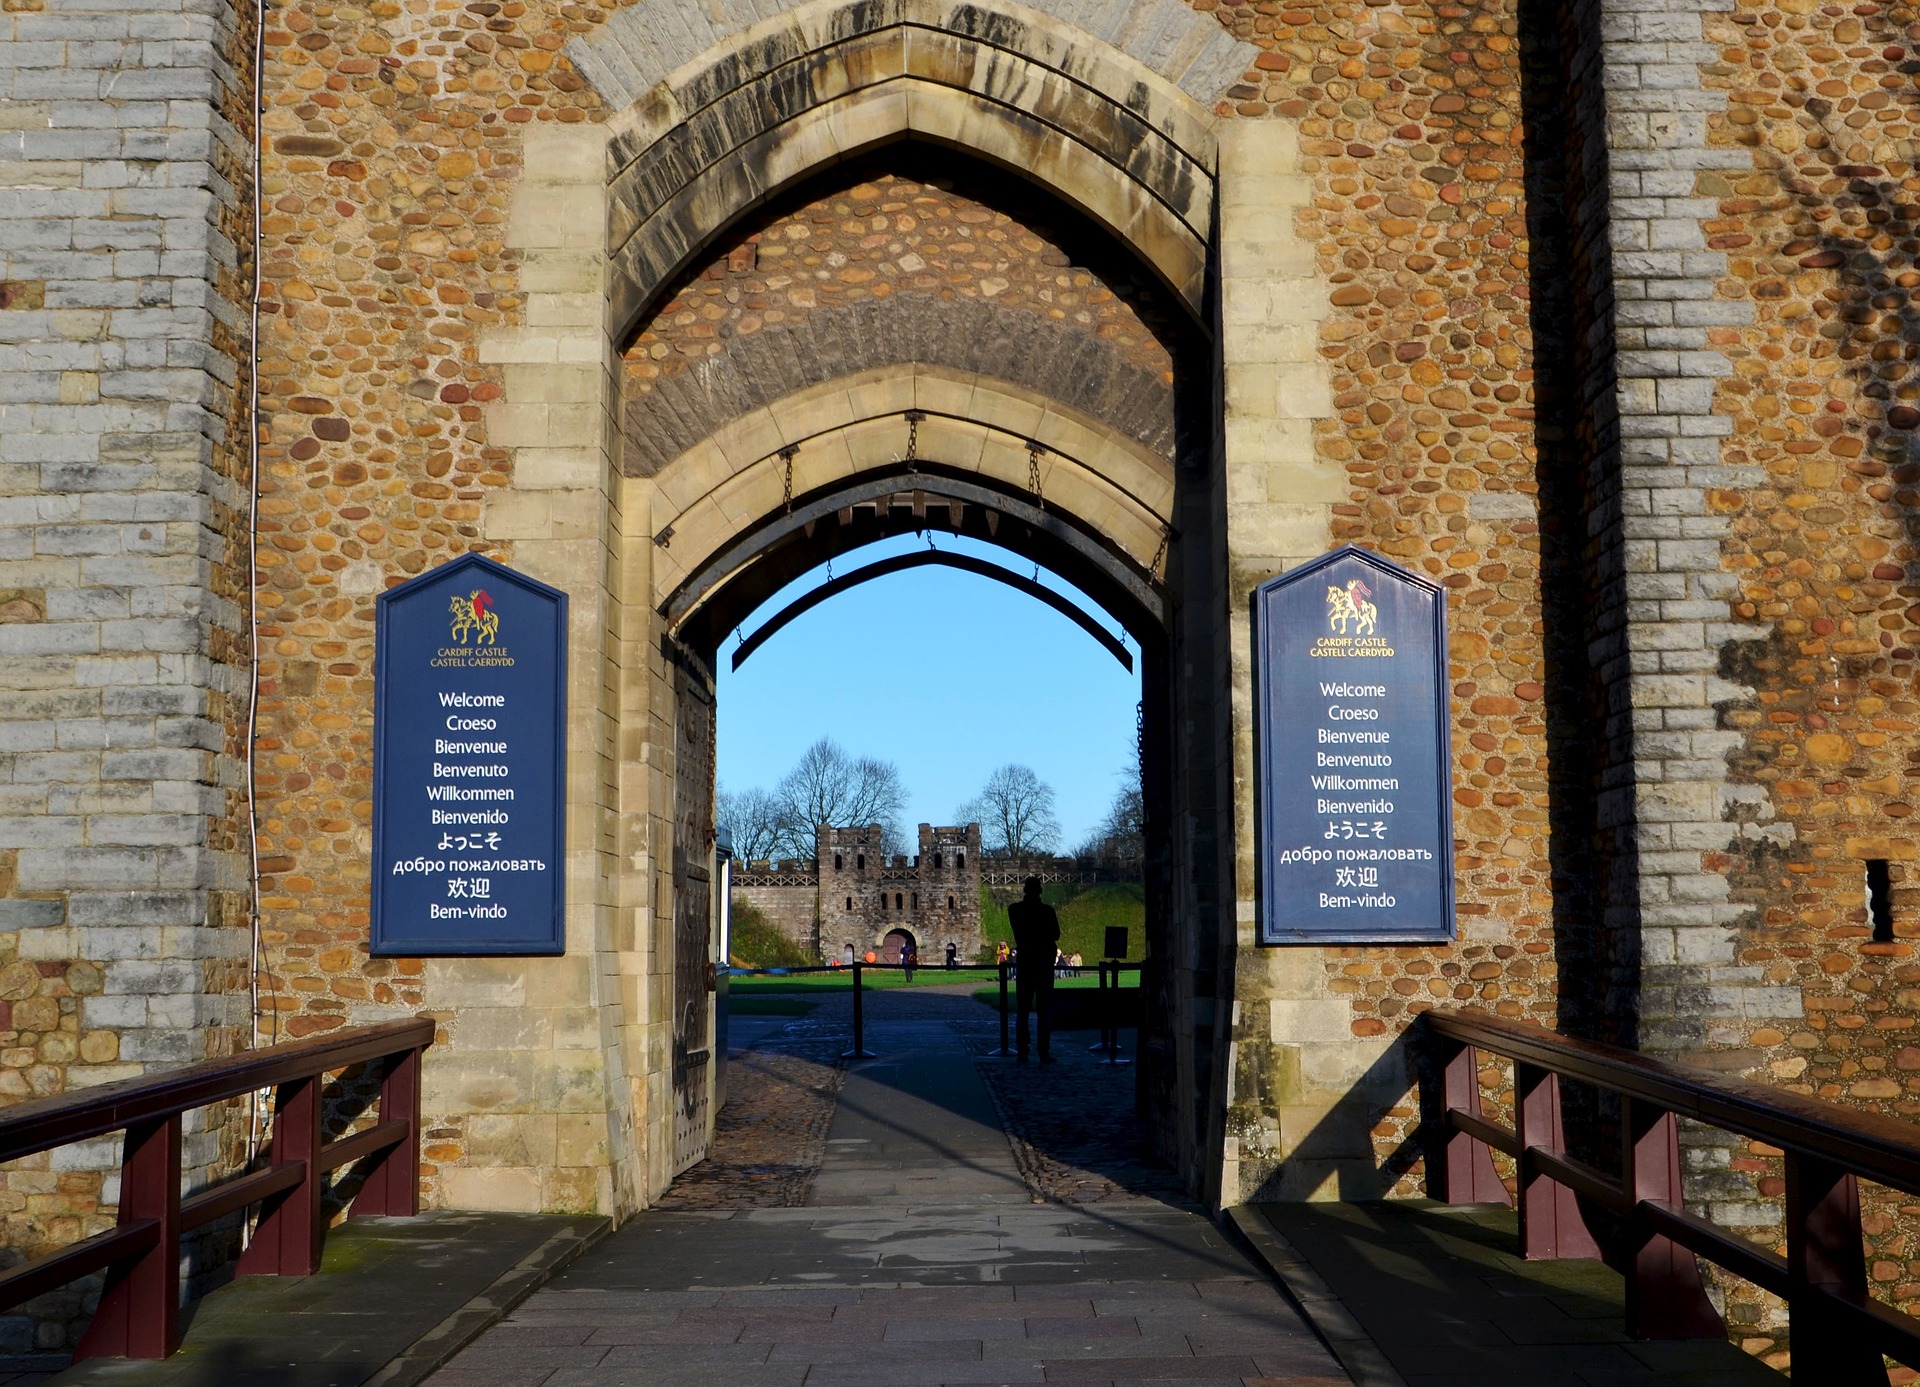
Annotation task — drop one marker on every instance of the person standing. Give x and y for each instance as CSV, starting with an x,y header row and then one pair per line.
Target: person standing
x,y
1036,937
909,958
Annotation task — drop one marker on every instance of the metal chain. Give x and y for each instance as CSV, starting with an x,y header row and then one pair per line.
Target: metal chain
x,y
914,417
786,489
1033,466
1166,533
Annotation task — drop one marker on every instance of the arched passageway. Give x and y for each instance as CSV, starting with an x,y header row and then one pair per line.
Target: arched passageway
x,y
908,345
854,272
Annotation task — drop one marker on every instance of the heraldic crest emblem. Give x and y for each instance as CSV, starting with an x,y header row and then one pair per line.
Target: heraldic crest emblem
x,y
1350,604
474,616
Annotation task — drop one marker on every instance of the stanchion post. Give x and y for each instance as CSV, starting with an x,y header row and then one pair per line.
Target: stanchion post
x,y
859,1050
1006,1046
1109,1046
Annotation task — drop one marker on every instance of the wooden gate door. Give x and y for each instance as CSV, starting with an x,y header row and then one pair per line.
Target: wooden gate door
x,y
692,912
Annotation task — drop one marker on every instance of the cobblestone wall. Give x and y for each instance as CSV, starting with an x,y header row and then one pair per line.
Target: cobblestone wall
x,y
125,280
1411,135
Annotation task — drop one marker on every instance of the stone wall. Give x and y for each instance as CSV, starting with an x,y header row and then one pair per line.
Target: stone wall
x,y
1596,313
125,283
787,893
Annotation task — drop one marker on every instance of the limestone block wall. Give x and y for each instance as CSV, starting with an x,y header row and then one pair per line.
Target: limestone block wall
x,y
125,280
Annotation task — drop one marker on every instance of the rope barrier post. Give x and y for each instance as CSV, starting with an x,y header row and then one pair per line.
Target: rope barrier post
x,y
859,1050
1099,1047
1109,1046
1006,1047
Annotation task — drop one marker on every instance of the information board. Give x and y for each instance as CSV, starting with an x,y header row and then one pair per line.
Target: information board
x,y
1354,780
469,764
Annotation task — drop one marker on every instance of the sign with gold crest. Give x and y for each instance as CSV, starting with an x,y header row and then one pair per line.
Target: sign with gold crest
x,y
1354,761
469,763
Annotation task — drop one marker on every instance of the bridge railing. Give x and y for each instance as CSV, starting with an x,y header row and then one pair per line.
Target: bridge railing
x,y
1836,1325
139,1308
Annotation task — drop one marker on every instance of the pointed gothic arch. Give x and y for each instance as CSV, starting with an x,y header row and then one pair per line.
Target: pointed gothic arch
x,y
1104,103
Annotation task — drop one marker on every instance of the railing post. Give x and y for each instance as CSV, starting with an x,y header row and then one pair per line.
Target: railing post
x,y
1465,1173
859,1050
139,1314
1665,1297
392,1185
1006,1039
1824,1256
286,1241
1551,1225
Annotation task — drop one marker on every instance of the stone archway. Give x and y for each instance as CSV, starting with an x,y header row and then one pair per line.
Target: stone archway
x,y
634,504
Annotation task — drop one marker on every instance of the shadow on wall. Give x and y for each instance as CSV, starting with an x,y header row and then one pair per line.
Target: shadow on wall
x,y
1591,839
1342,1142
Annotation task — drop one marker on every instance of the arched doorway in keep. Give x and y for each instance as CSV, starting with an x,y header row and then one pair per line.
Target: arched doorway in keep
x,y
911,343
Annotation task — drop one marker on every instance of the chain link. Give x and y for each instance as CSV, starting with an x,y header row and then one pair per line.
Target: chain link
x,y
1166,533
1033,466
786,489
914,417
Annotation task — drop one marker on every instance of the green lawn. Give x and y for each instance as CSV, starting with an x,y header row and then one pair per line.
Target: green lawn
x,y
775,1005
841,980
1085,912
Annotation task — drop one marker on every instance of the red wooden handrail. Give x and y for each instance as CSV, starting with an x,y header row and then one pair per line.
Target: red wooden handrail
x,y
1834,1320
140,1307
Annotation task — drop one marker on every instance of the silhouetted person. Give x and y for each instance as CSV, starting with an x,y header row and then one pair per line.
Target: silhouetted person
x,y
909,959
1036,936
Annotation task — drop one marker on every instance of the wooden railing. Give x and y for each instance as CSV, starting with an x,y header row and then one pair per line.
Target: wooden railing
x,y
140,1306
1837,1328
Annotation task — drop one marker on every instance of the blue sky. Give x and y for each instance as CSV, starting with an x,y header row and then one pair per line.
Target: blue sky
x,y
920,669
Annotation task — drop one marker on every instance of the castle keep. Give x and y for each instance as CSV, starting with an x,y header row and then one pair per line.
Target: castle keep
x,y
1597,314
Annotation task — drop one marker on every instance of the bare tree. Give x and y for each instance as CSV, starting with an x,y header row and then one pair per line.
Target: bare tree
x,y
829,786
1015,813
753,818
1121,836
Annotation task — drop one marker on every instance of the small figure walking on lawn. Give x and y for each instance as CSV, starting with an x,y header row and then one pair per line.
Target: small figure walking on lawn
x,y
909,959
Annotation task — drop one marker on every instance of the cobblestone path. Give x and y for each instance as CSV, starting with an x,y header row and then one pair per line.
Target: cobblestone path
x,y
927,1217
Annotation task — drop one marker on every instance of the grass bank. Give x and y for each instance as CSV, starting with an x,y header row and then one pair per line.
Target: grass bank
x,y
1085,912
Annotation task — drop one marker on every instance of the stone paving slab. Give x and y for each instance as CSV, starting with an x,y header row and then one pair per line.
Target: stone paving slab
x,y
933,1249
393,1300
1411,1293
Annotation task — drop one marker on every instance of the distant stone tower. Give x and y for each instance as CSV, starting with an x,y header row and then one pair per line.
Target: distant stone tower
x,y
872,902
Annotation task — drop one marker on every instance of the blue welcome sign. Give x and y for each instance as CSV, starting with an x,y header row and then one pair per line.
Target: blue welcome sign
x,y
469,764
1354,765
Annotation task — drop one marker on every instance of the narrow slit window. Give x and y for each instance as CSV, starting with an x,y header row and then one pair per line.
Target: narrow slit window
x,y
898,904
837,864
849,902
1880,900
860,862
949,902
960,861
936,862
916,900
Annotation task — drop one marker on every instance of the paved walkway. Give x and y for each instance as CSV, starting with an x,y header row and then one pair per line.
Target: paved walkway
x,y
922,1252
